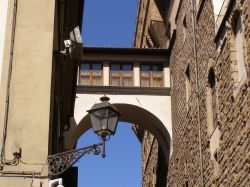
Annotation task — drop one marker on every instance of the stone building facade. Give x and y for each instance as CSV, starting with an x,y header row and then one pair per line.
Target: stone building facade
x,y
34,104
209,45
210,99
209,69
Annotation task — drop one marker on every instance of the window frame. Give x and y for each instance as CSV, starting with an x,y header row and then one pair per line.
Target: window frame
x,y
90,74
151,77
121,76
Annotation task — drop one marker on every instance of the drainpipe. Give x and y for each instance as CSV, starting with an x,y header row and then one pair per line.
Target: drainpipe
x,y
22,174
197,91
3,161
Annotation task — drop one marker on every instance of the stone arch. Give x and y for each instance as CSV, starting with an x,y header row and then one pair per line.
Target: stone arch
x,y
135,115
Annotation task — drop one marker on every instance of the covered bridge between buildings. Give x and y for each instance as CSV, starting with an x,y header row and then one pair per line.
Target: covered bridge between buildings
x,y
138,84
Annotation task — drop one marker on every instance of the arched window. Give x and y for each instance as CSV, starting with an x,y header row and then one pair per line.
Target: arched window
x,y
239,48
188,85
184,29
211,102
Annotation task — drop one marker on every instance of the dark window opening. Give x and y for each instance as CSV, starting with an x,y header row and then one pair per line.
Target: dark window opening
x,y
211,101
188,85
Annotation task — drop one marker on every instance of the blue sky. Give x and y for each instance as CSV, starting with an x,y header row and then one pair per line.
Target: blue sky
x,y
120,168
110,23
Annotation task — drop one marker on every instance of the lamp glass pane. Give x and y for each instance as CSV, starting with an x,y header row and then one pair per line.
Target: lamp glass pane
x,y
112,121
99,120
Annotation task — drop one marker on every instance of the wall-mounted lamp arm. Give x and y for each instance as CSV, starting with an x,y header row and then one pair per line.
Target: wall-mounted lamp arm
x,y
59,163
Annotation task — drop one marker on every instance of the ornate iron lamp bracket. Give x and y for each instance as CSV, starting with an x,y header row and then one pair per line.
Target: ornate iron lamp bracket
x,y
60,162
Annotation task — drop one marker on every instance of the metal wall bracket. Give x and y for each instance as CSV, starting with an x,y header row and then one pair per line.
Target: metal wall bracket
x,y
59,163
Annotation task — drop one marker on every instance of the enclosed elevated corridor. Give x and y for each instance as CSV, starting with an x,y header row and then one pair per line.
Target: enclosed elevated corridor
x,y
137,82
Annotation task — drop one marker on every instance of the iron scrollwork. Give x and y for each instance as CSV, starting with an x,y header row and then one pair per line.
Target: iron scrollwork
x,y
59,163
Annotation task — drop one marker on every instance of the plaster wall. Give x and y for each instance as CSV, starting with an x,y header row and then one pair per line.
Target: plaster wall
x,y
106,70
136,74
3,19
166,75
30,87
151,113
4,62
157,105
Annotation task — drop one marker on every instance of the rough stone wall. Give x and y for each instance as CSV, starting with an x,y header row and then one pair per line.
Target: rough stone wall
x,y
228,163
149,160
154,170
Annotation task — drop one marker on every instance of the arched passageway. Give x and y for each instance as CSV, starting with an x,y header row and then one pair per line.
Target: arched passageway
x,y
132,114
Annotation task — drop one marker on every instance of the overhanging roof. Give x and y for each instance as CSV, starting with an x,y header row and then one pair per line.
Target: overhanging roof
x,y
127,55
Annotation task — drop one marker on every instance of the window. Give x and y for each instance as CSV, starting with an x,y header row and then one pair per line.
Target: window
x,y
184,29
151,75
238,37
188,85
211,102
121,75
91,74
216,163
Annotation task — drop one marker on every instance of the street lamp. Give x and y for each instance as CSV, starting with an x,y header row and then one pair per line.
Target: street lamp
x,y
104,118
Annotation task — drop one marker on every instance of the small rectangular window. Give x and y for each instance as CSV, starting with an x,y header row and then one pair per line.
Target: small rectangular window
x,y
151,75
91,74
188,85
145,75
121,75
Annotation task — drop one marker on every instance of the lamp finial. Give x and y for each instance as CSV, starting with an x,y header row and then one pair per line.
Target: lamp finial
x,y
104,98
